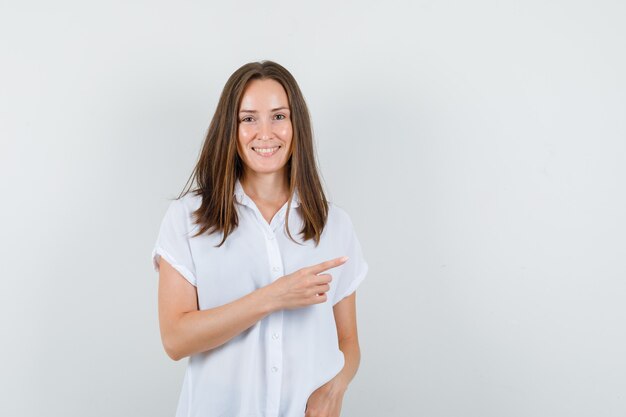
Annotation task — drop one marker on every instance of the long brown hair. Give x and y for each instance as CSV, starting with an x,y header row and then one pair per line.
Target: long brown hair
x,y
219,165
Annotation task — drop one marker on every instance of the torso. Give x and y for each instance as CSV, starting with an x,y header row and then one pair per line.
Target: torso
x,y
272,367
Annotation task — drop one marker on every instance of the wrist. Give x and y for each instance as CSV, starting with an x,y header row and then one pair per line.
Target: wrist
x,y
266,300
340,383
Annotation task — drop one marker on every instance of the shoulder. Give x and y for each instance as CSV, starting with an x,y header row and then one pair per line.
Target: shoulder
x,y
188,203
180,210
338,218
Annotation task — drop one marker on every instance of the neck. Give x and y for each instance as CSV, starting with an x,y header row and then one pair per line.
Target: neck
x,y
270,187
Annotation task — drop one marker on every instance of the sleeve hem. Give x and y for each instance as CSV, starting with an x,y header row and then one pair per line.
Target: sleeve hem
x,y
354,285
188,275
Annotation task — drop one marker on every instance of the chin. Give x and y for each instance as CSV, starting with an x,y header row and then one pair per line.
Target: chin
x,y
266,169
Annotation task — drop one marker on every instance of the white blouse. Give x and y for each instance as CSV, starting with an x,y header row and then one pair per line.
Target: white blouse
x,y
271,368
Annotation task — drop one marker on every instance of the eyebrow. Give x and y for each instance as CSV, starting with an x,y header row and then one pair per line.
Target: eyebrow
x,y
254,111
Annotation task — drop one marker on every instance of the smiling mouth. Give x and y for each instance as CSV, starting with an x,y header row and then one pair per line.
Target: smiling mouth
x,y
266,151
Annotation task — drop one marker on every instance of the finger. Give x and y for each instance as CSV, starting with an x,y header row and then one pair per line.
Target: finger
x,y
321,289
321,267
320,297
322,279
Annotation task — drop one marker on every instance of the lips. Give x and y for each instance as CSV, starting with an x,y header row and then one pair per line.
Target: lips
x,y
266,151
265,147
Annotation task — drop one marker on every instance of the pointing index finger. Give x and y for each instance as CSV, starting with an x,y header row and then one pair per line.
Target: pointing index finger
x,y
321,267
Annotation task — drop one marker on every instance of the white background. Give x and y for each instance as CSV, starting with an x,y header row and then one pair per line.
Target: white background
x,y
479,147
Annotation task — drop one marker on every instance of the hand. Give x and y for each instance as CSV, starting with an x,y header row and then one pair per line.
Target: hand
x,y
304,286
326,400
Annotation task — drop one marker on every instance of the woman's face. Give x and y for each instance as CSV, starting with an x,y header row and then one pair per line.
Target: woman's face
x,y
265,131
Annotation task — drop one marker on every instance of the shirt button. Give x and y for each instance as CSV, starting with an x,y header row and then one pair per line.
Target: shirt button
x,y
275,269
271,237
275,336
274,369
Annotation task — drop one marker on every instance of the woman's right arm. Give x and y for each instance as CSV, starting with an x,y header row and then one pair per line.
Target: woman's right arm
x,y
186,330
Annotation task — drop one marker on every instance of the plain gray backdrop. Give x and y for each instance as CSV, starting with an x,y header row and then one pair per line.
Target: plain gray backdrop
x,y
479,147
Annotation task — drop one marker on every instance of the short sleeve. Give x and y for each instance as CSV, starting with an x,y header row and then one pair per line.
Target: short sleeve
x,y
172,243
354,270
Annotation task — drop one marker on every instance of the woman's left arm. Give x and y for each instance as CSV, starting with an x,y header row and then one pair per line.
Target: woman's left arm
x,y
326,400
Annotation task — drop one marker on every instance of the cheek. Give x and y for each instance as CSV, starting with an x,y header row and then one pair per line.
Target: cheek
x,y
244,135
286,133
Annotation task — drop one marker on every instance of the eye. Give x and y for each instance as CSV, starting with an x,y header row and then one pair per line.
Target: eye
x,y
280,116
247,119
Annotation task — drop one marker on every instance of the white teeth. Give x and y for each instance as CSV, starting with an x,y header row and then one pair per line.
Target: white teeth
x,y
265,150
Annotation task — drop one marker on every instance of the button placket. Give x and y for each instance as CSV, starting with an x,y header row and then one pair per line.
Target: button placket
x,y
273,254
274,361
275,324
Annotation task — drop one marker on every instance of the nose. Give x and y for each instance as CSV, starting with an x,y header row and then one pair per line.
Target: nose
x,y
265,129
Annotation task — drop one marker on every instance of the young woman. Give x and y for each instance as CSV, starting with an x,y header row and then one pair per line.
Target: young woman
x,y
266,316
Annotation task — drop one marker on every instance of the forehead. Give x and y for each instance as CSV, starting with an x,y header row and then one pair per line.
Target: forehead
x,y
264,94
